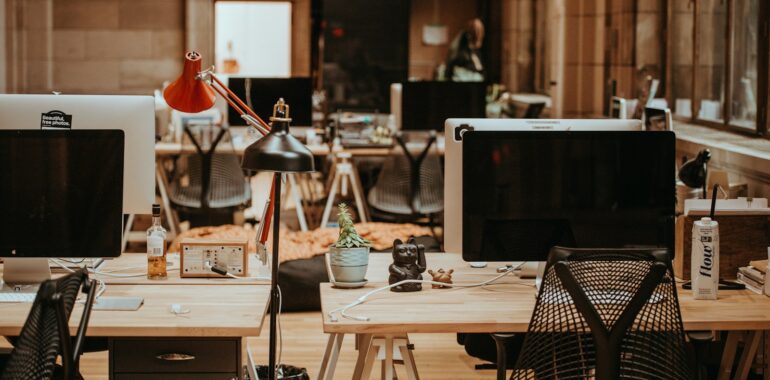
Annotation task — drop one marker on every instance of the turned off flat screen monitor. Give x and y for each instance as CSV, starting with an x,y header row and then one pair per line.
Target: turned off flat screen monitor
x,y
525,192
261,94
61,193
426,105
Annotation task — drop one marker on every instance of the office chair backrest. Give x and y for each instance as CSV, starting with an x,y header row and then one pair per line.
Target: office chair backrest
x,y
411,181
216,180
605,314
45,335
534,110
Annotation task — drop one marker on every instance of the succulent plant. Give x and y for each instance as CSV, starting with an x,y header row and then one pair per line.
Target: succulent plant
x,y
349,238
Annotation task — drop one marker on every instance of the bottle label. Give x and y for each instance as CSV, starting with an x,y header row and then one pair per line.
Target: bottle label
x,y
154,246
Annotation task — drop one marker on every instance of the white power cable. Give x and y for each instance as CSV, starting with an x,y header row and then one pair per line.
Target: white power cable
x,y
360,300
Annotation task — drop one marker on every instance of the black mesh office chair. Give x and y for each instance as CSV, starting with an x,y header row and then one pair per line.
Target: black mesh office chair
x,y
45,335
605,314
409,186
214,181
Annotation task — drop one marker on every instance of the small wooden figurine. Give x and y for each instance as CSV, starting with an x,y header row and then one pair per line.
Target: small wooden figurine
x,y
441,276
408,264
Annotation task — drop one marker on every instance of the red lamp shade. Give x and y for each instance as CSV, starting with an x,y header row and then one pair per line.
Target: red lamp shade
x,y
188,93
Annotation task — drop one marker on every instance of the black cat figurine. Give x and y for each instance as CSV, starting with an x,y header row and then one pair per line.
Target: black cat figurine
x,y
408,264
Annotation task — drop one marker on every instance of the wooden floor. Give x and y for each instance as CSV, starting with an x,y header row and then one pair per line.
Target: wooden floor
x,y
438,356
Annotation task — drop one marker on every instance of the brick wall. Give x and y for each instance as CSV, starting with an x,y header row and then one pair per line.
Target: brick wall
x,y
97,46
518,22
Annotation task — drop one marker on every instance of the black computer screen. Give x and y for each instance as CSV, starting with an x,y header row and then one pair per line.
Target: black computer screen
x,y
525,192
265,92
427,104
61,193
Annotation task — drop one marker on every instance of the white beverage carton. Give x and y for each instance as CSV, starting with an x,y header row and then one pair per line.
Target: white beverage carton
x,y
704,267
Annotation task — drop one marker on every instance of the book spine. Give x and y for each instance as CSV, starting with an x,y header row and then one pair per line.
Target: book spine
x,y
752,274
750,284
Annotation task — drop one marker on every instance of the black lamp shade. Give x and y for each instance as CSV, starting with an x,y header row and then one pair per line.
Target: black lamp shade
x,y
278,151
693,172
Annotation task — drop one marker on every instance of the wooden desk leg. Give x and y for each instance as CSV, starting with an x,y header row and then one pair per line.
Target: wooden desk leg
x,y
411,366
331,355
364,343
163,186
387,364
747,356
127,231
728,355
330,200
371,357
297,197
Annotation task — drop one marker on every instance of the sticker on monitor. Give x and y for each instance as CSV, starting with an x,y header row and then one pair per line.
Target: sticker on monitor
x,y
56,120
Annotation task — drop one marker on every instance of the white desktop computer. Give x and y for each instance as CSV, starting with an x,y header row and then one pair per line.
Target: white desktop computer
x,y
134,115
453,180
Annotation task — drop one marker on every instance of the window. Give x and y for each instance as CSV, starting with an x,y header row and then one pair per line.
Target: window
x,y
253,38
716,75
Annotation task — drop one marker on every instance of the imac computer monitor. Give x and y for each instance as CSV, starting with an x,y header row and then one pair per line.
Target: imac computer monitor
x,y
61,193
134,115
526,192
262,93
453,144
426,105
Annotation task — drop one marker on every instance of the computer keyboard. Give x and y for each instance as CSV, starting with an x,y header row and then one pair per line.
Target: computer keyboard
x,y
16,297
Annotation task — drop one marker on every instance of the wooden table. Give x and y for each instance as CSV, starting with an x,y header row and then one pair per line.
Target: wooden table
x,y
221,313
507,307
242,139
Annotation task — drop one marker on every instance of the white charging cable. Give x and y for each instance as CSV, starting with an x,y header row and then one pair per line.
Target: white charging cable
x,y
343,309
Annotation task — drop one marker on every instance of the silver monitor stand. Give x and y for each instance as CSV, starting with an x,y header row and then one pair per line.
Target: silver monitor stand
x,y
24,271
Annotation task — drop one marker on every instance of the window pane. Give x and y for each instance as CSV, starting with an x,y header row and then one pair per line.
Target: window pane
x,y
712,20
682,55
253,38
744,76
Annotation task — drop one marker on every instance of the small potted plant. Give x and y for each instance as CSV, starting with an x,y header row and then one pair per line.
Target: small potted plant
x,y
349,256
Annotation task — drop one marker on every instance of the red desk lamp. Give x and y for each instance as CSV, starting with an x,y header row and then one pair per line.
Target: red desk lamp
x,y
277,151
195,91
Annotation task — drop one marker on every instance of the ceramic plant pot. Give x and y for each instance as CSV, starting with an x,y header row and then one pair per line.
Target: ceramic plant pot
x,y
348,264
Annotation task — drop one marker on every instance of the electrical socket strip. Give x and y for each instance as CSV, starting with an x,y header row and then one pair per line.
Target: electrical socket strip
x,y
229,254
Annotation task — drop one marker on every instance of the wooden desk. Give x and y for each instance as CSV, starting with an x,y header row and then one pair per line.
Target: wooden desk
x,y
220,315
507,307
241,140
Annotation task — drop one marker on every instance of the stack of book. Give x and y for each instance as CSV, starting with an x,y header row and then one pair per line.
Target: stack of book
x,y
753,276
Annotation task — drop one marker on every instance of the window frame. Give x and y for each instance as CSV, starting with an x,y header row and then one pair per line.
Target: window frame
x,y
763,60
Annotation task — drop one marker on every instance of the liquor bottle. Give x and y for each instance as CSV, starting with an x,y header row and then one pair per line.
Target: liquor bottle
x,y
156,247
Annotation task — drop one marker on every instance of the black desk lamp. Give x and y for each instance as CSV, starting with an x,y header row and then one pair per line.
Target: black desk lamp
x,y
693,172
278,152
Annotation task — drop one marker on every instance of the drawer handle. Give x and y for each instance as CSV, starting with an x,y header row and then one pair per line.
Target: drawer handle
x,y
175,357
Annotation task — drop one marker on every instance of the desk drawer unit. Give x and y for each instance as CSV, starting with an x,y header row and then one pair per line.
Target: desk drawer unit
x,y
175,358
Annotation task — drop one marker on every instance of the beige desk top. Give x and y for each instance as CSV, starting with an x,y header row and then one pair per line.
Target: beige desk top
x,y
217,309
506,307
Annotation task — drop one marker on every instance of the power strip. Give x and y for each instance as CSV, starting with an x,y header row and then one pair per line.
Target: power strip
x,y
195,254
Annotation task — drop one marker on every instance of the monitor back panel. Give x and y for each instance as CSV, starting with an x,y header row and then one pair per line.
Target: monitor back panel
x,y
427,104
265,92
135,115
